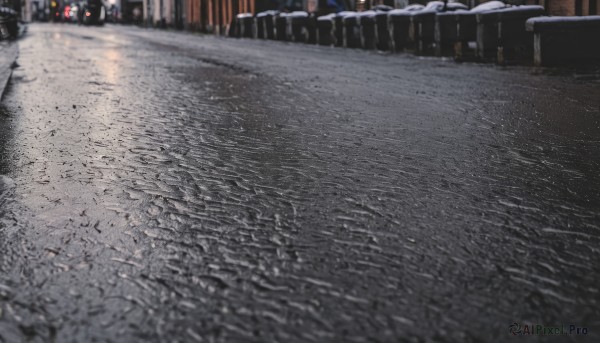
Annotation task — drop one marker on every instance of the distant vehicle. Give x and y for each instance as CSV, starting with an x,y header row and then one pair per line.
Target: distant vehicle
x,y
55,12
66,14
73,12
91,12
112,14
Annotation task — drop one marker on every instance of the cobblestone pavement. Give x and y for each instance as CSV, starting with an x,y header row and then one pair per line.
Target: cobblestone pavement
x,y
164,186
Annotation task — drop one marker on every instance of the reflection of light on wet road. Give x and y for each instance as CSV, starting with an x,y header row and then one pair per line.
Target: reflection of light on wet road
x,y
110,64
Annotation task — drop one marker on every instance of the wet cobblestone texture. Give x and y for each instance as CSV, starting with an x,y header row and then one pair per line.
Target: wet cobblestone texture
x,y
162,186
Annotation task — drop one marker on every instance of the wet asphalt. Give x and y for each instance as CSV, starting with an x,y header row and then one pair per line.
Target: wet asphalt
x,y
164,186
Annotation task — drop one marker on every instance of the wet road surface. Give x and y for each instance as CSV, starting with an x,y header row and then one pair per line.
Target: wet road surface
x,y
161,186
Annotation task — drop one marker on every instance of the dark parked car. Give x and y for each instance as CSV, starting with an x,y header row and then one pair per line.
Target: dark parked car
x,y
70,12
91,12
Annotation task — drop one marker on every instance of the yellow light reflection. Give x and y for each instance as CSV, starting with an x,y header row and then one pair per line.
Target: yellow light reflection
x,y
109,65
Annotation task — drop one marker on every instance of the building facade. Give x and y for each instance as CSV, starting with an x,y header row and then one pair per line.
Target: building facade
x,y
216,16
556,7
213,16
569,7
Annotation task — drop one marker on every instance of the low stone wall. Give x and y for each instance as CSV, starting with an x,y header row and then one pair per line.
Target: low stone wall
x,y
506,35
501,34
565,40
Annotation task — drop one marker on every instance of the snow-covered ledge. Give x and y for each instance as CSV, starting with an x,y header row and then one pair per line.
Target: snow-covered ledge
x,y
565,40
501,34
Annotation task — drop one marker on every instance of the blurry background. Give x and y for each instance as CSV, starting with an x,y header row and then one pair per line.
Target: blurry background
x,y
216,15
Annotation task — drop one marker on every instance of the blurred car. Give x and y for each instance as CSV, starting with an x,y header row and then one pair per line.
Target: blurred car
x,y
73,12
91,12
66,13
112,14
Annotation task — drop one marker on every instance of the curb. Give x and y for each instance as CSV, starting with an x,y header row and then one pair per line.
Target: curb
x,y
9,51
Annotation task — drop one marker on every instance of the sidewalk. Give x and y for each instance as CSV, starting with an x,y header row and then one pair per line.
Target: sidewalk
x,y
8,54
